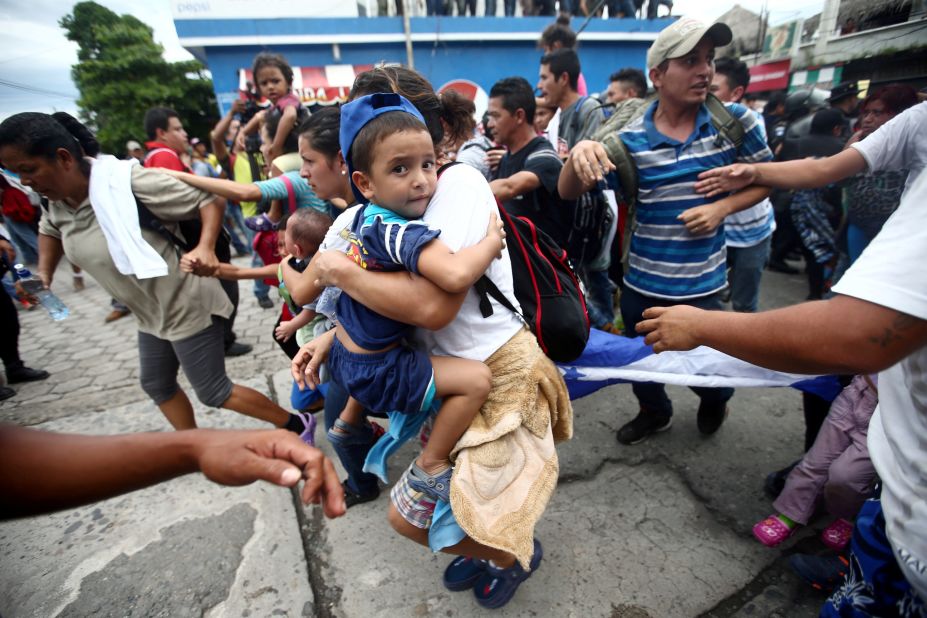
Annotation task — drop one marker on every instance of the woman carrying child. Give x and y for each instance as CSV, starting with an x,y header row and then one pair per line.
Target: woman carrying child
x,y
527,408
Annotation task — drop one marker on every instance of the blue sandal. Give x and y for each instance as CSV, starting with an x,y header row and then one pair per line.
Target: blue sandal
x,y
350,434
497,586
436,486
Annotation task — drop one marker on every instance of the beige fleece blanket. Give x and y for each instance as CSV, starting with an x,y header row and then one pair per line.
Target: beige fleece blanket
x,y
506,465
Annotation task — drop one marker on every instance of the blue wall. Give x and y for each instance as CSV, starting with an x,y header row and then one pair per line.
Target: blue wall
x,y
483,61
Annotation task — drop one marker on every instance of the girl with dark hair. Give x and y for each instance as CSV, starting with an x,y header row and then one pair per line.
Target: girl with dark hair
x,y
92,217
528,405
871,197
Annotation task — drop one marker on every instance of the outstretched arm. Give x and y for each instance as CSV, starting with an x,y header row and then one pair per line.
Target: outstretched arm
x,y
229,189
45,472
798,174
202,259
236,273
704,219
457,272
586,165
840,335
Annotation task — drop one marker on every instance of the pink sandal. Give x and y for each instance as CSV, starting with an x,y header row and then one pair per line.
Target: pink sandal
x,y
837,535
772,531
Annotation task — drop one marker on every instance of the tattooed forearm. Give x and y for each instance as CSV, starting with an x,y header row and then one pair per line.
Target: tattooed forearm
x,y
901,323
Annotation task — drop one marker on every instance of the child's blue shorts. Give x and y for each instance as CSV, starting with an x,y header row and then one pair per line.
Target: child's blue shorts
x,y
393,381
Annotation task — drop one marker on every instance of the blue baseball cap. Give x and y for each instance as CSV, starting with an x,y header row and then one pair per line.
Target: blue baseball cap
x,y
355,116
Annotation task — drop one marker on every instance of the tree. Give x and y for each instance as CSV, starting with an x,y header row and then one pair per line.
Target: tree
x,y
121,72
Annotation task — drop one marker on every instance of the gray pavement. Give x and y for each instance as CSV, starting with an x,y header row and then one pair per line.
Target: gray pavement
x,y
659,529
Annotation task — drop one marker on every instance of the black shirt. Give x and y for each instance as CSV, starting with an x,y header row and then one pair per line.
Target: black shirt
x,y
543,205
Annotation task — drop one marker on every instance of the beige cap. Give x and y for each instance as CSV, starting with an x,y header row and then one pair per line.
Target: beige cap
x,y
679,38
133,145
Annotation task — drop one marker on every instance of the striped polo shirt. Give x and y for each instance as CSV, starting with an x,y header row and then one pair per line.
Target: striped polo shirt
x,y
666,260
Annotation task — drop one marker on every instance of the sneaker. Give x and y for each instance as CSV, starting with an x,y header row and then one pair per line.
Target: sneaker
x,y
260,223
238,349
463,572
25,374
642,426
436,486
6,392
265,302
822,572
352,498
497,586
710,418
308,434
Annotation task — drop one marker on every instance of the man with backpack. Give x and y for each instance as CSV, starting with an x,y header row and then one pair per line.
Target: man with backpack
x,y
580,116
587,230
677,246
167,140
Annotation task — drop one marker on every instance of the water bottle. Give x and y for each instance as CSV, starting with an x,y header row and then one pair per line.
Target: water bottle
x,y
33,285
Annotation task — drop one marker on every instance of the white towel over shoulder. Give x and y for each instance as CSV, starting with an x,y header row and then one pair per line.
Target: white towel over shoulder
x,y
114,205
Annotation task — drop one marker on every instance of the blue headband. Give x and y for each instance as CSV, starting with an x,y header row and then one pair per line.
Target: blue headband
x,y
355,116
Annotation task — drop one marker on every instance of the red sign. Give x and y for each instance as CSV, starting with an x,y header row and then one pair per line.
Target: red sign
x,y
771,76
326,84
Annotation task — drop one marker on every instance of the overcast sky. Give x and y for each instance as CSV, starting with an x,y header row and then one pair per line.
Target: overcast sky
x,y
36,55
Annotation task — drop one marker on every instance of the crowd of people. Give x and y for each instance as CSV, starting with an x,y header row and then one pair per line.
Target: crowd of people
x,y
629,9
692,195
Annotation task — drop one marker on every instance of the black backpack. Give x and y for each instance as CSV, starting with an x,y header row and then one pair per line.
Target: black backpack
x,y
546,288
191,230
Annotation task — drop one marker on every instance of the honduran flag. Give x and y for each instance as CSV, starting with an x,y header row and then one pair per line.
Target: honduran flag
x,y
612,359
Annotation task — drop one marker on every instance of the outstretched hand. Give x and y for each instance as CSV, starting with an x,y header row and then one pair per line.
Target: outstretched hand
x,y
670,328
200,261
726,179
279,457
590,162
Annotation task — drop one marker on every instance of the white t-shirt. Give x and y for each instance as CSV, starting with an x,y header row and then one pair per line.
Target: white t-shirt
x,y
460,208
891,273
900,143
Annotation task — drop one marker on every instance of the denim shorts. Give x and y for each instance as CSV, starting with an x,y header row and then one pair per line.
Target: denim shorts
x,y
393,381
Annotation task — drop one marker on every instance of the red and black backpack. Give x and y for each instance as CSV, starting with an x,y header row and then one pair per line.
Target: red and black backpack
x,y
552,303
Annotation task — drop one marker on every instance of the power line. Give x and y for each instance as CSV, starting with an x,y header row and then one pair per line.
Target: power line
x,y
34,90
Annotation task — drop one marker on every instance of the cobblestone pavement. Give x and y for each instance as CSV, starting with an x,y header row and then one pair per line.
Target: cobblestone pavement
x,y
659,529
94,365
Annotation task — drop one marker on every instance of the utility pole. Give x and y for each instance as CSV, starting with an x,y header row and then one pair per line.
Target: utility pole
x,y
406,7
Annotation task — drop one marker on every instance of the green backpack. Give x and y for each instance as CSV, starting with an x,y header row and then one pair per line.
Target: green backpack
x,y
727,125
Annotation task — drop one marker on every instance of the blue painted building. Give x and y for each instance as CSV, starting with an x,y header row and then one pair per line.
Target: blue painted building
x,y
444,49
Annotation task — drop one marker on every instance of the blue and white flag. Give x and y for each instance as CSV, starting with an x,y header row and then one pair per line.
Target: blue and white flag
x,y
612,359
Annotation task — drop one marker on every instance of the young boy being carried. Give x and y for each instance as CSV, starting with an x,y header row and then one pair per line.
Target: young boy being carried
x,y
391,159
299,237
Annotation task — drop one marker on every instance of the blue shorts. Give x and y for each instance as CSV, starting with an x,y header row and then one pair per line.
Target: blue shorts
x,y
393,381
